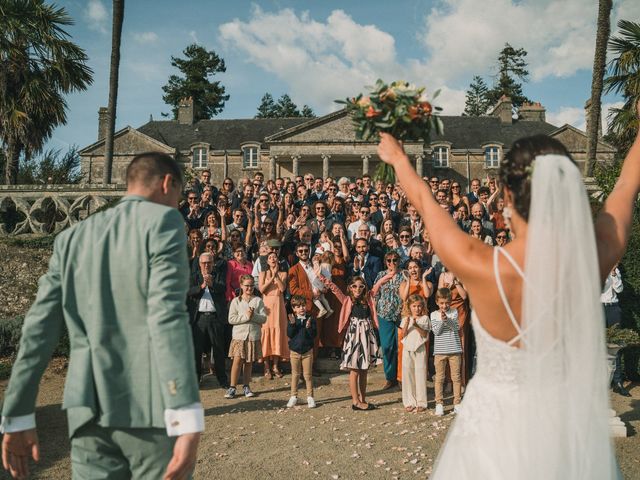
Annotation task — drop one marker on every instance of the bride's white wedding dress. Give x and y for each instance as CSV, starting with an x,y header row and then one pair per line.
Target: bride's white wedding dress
x,y
540,410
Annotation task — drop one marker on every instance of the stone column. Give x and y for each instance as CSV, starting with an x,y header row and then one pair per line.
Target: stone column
x,y
365,163
272,167
419,167
325,164
295,160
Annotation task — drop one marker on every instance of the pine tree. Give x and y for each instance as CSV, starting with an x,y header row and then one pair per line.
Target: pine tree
x,y
286,108
198,68
512,70
267,106
476,102
307,111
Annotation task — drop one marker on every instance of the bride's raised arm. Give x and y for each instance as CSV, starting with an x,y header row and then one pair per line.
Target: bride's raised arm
x,y
613,225
457,250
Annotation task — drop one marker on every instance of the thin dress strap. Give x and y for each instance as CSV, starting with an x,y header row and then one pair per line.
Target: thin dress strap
x,y
503,296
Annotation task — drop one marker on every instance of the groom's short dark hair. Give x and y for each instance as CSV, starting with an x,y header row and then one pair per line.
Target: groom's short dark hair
x,y
149,165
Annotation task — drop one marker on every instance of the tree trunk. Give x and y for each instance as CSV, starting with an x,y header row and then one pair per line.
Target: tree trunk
x,y
11,164
599,61
118,17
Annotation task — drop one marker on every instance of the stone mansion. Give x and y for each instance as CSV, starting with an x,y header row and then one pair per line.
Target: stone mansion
x,y
326,146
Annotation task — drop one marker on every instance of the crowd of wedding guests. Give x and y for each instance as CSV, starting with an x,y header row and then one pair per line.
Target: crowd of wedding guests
x,y
287,271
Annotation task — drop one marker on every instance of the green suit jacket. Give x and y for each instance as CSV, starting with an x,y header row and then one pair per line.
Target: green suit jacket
x,y
119,281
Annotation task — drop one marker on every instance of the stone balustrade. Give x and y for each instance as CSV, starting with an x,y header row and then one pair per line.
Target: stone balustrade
x,y
46,209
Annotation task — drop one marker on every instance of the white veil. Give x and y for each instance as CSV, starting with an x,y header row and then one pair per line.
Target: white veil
x,y
564,419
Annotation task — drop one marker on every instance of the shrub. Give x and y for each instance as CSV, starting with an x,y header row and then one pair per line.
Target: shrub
x,y
11,331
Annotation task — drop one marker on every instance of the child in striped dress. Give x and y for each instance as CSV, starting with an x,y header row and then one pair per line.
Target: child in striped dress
x,y
447,348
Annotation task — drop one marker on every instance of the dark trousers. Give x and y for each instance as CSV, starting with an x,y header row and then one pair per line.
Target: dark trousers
x,y
209,333
613,316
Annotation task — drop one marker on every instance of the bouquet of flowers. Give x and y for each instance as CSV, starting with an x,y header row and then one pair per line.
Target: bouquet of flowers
x,y
398,108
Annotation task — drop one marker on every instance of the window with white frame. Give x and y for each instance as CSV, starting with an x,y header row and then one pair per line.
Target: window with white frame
x,y
199,157
440,156
250,156
491,157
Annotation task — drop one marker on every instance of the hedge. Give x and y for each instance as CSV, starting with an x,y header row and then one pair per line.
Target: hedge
x,y
11,331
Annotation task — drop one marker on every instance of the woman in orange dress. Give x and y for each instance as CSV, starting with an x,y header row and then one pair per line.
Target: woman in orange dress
x,y
459,302
415,283
272,284
329,336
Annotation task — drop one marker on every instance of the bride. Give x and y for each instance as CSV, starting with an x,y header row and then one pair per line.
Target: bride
x,y
537,407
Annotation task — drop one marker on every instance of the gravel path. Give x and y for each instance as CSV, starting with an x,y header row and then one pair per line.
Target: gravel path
x,y
259,438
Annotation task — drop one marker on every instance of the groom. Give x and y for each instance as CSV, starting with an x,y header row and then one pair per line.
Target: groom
x,y
118,280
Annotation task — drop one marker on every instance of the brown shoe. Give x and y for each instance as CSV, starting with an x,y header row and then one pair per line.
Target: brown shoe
x,y
389,384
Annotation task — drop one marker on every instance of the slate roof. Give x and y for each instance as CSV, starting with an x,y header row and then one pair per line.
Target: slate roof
x,y
219,134
473,132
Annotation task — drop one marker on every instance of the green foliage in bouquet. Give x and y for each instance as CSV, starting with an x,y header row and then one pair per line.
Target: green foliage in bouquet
x,y
624,337
398,108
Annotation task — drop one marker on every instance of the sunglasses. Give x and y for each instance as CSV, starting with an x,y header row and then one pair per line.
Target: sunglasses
x,y
364,211
393,260
502,236
405,236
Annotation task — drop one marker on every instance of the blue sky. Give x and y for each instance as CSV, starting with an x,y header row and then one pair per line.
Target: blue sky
x,y
318,51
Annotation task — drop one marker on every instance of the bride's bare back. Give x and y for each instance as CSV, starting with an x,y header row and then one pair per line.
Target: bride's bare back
x,y
472,261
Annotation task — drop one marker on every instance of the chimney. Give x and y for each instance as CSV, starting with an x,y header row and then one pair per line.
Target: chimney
x,y
185,111
532,112
103,122
503,110
587,109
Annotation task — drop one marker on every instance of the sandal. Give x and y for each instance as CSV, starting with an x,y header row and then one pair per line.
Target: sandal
x,y
268,374
278,373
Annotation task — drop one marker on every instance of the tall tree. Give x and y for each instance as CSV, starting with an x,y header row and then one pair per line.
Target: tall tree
x,y
267,106
512,71
116,35
599,62
283,108
38,66
286,108
307,111
476,102
199,67
624,78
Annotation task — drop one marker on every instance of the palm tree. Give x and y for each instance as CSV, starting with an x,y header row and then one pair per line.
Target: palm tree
x,y
624,78
599,62
38,65
118,17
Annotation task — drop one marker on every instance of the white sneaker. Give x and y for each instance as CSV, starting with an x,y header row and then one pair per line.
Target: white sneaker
x,y
247,391
292,402
457,408
439,409
311,403
321,313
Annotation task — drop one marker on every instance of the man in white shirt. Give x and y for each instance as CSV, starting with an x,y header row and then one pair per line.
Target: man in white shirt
x,y
613,315
364,217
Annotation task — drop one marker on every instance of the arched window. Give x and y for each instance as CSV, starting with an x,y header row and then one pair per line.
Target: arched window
x,y
440,156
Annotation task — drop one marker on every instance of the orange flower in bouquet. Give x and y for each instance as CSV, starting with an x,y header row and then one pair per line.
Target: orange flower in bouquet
x,y
399,108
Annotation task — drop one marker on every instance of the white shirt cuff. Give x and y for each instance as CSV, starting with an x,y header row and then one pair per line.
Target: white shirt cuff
x,y
189,419
18,424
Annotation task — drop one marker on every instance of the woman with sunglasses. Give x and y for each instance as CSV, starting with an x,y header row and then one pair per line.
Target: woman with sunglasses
x,y
388,305
457,198
360,350
227,187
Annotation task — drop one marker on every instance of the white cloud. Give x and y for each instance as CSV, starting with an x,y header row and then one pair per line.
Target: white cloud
x,y
324,61
146,37
463,37
97,16
576,116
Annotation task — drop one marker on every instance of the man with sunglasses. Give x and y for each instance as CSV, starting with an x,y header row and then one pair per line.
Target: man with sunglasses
x,y
364,218
192,213
406,240
301,278
384,211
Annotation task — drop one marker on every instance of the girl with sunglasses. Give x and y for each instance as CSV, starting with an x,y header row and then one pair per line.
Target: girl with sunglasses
x,y
360,348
